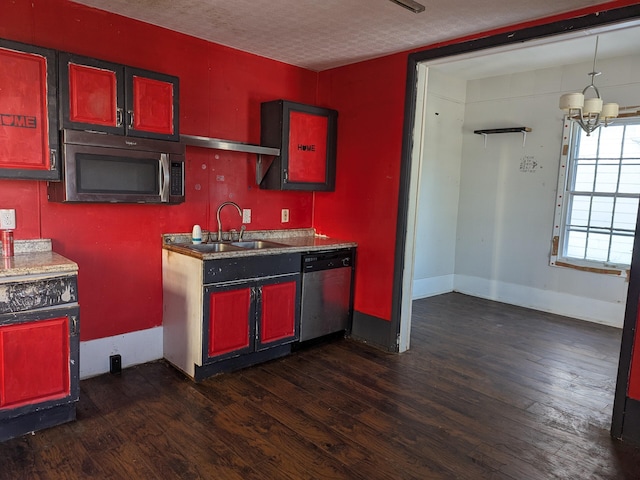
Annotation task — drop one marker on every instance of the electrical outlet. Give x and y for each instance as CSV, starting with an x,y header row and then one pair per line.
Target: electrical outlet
x,y
8,219
115,364
246,215
285,215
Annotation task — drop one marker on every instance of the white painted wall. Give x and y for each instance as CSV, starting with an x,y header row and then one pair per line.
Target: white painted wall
x,y
439,188
504,214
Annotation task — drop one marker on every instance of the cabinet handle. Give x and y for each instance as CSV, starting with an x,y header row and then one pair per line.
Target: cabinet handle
x,y
52,159
130,118
286,175
119,117
74,325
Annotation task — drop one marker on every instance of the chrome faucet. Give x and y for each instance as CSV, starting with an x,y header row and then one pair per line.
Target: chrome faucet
x,y
218,217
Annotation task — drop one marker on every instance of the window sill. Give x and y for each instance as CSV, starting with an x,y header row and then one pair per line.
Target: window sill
x,y
590,267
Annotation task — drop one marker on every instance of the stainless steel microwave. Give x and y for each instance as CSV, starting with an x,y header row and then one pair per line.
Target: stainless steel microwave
x,y
107,168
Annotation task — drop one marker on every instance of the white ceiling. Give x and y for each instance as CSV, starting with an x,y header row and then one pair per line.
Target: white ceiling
x,y
322,34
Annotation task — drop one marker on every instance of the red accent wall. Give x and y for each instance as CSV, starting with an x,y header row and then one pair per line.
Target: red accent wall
x,y
118,247
369,97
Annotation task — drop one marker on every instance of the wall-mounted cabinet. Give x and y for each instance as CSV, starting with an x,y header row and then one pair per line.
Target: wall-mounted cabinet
x,y
28,112
117,99
306,136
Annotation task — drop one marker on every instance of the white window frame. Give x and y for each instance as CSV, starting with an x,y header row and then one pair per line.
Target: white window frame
x,y
561,211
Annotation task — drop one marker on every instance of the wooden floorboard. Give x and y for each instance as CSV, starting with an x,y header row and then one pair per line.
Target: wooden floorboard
x,y
487,391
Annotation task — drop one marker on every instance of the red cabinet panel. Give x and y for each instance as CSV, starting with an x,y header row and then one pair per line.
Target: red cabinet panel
x,y
93,95
28,127
306,136
278,313
153,102
307,147
34,362
228,322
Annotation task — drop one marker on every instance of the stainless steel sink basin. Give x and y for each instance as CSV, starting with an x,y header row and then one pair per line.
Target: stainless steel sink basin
x,y
257,244
213,247
231,246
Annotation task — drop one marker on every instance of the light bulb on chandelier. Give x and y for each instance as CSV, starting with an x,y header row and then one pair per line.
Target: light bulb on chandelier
x,y
589,113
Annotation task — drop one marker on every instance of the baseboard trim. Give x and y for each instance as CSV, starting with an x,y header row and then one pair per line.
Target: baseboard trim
x,y
583,308
135,348
373,330
631,422
429,287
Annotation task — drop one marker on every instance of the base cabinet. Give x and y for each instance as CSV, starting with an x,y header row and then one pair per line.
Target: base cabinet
x,y
39,355
220,315
255,316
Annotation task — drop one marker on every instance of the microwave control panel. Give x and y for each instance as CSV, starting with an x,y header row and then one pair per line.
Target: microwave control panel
x,y
177,179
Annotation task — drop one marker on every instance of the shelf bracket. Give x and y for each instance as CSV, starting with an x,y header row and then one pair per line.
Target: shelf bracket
x,y
262,166
491,131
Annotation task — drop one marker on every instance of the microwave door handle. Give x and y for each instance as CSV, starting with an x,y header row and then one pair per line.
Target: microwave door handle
x,y
165,178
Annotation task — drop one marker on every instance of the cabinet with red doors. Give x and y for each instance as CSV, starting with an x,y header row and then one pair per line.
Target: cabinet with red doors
x,y
39,353
28,112
228,313
306,136
118,99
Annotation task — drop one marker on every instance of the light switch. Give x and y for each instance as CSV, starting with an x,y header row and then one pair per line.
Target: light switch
x,y
246,215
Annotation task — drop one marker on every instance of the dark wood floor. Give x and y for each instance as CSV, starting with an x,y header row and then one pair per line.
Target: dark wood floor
x,y
486,391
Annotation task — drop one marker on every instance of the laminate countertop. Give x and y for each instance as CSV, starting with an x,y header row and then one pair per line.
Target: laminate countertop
x,y
34,257
289,241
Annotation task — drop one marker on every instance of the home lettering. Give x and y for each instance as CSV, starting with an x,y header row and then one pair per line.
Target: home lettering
x,y
20,121
307,148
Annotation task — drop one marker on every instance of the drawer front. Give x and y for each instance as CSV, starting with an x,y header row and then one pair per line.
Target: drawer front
x,y
247,268
24,295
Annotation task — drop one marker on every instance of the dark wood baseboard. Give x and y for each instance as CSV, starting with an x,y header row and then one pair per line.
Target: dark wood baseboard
x,y
631,422
36,420
242,361
374,331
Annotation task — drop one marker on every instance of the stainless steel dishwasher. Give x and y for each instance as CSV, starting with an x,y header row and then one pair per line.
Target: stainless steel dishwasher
x,y
326,293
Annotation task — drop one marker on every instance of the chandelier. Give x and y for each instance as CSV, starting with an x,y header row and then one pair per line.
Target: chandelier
x,y
589,113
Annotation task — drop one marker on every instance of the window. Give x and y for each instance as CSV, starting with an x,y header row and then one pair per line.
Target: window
x,y
598,192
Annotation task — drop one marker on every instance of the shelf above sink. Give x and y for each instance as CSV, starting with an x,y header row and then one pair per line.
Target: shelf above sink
x,y
229,145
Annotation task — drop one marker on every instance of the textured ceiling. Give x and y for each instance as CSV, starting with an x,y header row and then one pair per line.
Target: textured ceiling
x,y
322,34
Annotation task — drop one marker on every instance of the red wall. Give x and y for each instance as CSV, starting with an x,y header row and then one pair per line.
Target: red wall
x,y
117,247
369,97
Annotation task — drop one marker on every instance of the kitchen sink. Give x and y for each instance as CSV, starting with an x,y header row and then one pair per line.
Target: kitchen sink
x,y
213,247
257,244
232,246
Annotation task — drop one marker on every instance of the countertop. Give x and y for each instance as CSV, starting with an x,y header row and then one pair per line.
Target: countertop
x,y
292,241
35,257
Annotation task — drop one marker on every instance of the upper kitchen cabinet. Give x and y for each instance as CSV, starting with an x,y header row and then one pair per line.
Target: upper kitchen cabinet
x,y
306,137
113,98
28,112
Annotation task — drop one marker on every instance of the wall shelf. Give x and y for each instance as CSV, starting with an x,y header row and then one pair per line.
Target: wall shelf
x,y
491,131
229,145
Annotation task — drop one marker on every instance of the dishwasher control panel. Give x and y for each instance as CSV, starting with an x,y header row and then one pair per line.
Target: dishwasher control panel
x,y
326,260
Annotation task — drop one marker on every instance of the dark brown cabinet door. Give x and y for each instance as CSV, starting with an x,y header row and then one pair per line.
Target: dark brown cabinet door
x,y
306,137
28,112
